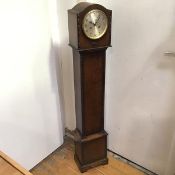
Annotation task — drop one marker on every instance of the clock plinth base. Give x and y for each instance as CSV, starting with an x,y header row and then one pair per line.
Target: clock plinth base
x,y
90,151
84,168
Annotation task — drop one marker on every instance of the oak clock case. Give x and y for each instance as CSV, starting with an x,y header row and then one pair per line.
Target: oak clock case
x,y
89,36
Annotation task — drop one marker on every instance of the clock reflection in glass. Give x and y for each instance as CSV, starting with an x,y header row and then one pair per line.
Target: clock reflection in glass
x,y
95,24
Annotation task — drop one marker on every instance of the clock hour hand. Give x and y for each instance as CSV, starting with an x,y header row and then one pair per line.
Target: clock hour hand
x,y
97,20
92,23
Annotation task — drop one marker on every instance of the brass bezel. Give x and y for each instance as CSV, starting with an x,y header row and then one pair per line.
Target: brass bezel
x,y
95,38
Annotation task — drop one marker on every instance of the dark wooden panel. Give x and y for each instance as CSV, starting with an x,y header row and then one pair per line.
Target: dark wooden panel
x,y
93,80
73,28
90,151
94,150
78,151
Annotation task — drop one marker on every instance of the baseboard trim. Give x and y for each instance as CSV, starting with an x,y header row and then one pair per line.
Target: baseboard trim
x,y
133,164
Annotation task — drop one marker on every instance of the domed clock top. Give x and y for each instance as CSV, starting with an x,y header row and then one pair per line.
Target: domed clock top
x,y
89,26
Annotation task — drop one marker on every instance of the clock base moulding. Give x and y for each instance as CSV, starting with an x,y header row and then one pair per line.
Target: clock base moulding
x,y
90,151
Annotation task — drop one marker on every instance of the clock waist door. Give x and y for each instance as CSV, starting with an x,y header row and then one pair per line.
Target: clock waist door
x,y
90,119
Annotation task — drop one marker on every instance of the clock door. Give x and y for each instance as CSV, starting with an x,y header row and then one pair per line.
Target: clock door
x,y
93,80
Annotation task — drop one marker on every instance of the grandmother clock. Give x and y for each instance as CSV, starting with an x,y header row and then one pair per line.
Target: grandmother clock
x,y
89,37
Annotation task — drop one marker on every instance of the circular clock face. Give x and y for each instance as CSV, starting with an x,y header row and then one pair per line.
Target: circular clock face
x,y
95,24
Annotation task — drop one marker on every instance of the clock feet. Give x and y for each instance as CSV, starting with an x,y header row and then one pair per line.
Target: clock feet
x,y
84,168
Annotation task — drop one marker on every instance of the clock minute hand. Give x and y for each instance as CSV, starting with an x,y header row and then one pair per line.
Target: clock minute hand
x,y
97,19
92,18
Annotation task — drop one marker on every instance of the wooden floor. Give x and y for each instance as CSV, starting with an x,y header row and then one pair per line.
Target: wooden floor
x,y
61,162
9,167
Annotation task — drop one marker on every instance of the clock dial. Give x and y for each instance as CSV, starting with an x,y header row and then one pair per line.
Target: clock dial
x,y
95,24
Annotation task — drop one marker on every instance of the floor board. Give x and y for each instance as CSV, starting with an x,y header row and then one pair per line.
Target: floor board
x,y
9,167
61,162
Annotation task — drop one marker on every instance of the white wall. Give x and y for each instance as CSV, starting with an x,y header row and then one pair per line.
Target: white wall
x,y
66,63
30,117
140,82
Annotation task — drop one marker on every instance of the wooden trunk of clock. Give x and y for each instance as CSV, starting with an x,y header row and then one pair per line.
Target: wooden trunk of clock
x,y
89,58
90,137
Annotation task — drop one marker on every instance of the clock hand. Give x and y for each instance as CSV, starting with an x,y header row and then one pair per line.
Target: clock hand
x,y
96,30
92,23
93,18
97,19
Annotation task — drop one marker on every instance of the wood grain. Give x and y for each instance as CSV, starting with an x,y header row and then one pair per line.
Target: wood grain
x,y
61,162
9,167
